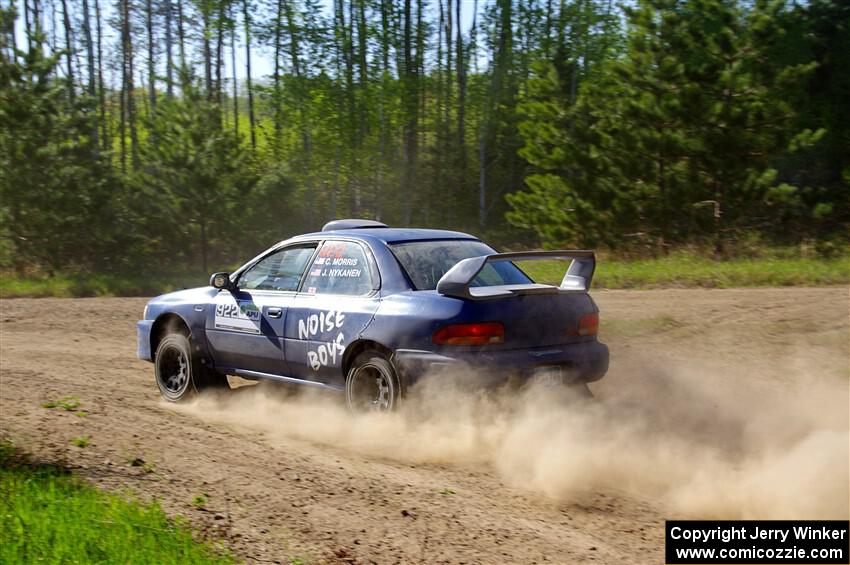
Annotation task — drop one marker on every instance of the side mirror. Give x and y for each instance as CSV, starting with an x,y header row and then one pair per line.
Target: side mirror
x,y
222,281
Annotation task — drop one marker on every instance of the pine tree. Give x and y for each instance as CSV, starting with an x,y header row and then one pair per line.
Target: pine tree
x,y
56,189
193,177
676,139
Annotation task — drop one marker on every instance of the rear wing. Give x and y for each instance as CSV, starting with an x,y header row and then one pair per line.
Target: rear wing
x,y
456,282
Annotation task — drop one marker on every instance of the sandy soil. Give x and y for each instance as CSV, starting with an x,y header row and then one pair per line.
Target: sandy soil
x,y
719,403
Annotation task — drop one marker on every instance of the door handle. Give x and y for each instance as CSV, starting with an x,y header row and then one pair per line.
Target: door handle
x,y
275,312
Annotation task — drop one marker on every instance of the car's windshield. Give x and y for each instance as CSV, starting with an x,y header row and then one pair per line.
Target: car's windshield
x,y
427,261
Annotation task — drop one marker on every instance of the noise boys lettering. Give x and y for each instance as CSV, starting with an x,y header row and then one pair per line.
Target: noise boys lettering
x,y
323,323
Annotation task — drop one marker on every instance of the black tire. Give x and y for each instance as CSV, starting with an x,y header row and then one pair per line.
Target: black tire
x,y
179,373
372,384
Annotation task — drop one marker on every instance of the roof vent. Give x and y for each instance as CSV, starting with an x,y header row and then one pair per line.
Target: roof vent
x,y
352,224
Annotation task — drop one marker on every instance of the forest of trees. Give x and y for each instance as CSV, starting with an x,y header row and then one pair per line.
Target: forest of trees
x,y
136,134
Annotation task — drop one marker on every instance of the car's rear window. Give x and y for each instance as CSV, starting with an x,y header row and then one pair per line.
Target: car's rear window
x,y
427,261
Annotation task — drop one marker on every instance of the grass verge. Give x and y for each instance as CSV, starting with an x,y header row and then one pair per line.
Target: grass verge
x,y
684,270
76,286
47,515
687,271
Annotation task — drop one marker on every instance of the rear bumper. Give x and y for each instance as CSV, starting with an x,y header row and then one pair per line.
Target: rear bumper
x,y
582,362
143,339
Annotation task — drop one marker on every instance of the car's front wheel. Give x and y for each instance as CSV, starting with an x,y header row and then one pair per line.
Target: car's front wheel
x,y
372,384
179,374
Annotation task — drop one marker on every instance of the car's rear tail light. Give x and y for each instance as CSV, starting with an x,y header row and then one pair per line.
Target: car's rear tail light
x,y
470,334
587,325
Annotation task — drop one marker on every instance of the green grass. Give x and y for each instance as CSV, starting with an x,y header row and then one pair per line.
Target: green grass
x,y
47,515
82,441
200,500
68,403
688,270
683,269
72,286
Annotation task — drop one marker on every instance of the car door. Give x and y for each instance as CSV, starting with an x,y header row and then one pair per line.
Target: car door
x,y
338,299
245,328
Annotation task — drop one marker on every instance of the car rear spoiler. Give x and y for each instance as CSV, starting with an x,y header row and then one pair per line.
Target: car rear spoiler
x,y
456,282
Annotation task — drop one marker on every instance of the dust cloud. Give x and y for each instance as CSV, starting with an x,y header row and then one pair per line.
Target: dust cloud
x,y
671,437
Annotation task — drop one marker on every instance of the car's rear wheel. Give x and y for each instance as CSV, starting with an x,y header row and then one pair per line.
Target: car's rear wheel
x,y
179,373
372,384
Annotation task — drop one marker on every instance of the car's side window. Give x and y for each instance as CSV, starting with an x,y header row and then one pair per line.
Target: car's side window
x,y
341,267
281,270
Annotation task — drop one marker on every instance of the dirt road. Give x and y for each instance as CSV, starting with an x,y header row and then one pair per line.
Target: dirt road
x,y
719,403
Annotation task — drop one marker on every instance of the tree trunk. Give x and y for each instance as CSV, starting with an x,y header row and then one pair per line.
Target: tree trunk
x,y
36,16
10,42
300,93
340,104
208,76
145,101
127,43
54,40
219,58
28,27
343,36
719,201
449,69
547,31
181,36
438,164
363,71
460,61
420,64
235,79
69,54
100,85
92,82
574,68
204,244
151,56
482,177
248,85
122,111
294,49
451,161
345,46
410,105
278,102
169,48
386,41
500,93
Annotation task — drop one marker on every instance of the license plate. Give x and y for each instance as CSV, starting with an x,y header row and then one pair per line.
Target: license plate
x,y
549,376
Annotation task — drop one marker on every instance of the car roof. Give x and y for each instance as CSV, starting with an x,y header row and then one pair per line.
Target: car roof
x,y
390,235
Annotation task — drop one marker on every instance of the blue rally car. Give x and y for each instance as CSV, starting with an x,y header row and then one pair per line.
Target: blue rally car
x,y
367,310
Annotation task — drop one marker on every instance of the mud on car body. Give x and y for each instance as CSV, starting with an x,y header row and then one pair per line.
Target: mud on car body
x,y
367,310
